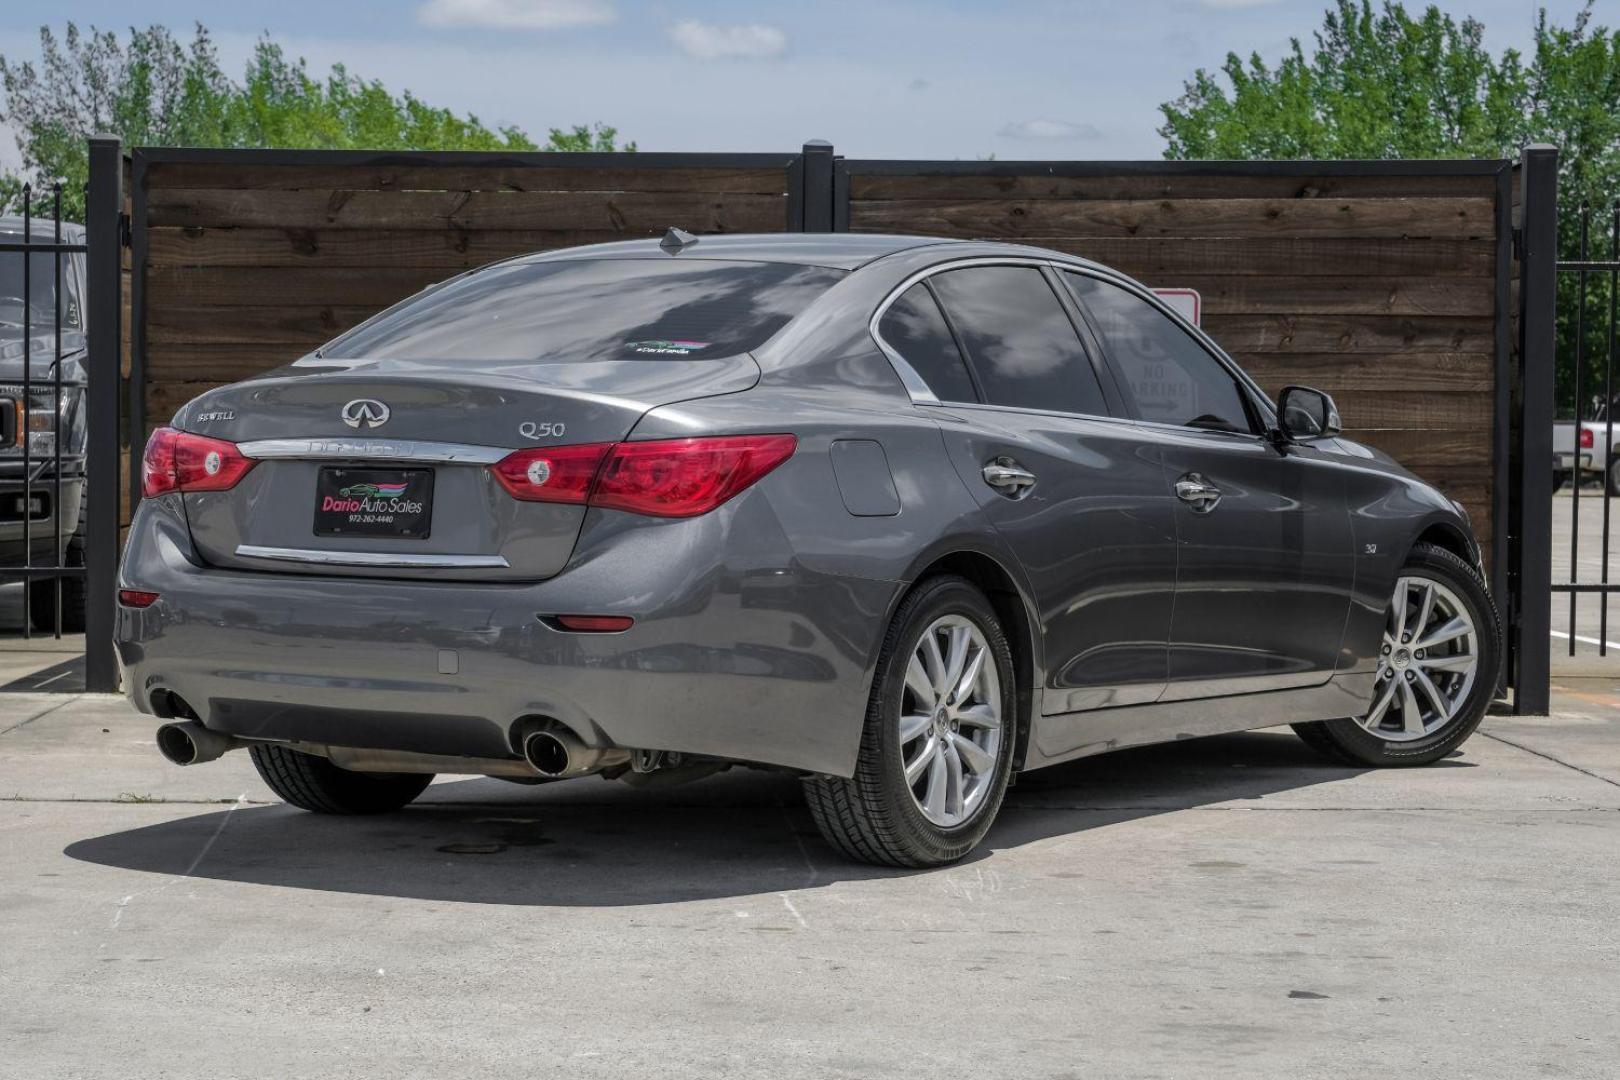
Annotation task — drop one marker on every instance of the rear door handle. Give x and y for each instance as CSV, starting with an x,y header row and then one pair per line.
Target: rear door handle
x,y
1199,493
1008,477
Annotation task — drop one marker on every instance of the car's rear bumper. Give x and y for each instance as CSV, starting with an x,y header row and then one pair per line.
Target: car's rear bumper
x,y
738,650
1564,461
35,541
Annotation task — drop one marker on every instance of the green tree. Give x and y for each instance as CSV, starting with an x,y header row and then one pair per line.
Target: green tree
x,y
1379,83
153,90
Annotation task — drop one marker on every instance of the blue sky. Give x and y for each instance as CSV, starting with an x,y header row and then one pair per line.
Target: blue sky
x,y
1020,78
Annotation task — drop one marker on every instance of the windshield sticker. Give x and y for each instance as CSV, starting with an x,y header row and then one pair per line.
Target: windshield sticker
x,y
666,348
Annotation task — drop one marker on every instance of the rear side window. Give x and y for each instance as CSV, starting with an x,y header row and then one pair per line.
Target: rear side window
x,y
914,328
1019,339
592,309
1174,379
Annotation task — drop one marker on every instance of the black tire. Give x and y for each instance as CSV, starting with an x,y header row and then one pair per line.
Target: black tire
x,y
315,784
42,592
1559,480
1348,742
872,817
1611,478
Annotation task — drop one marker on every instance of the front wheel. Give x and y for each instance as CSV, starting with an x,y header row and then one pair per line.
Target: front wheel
x,y
937,747
315,784
1437,669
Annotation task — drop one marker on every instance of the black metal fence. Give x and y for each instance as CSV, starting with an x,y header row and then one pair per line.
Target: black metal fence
x,y
817,193
60,323
42,418
1584,444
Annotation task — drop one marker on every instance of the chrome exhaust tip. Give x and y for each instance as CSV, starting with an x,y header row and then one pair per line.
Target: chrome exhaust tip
x,y
189,743
557,753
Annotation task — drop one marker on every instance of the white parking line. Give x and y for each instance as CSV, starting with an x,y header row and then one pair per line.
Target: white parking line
x,y
1585,640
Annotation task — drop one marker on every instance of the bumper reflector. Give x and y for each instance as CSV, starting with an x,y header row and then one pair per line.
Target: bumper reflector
x,y
594,624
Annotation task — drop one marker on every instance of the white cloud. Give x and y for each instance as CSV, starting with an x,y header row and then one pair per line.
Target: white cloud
x,y
704,41
1049,129
517,14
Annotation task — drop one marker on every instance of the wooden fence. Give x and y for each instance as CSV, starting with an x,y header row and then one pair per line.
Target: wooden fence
x,y
1384,283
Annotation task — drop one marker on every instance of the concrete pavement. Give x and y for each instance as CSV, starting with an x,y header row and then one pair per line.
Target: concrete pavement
x,y
1225,908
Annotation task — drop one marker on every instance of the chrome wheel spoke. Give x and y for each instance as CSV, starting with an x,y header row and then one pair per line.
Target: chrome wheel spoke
x,y
978,716
914,725
974,756
1425,608
920,685
957,641
1375,715
935,798
925,757
1397,611
1463,662
1411,714
933,662
1442,708
963,688
955,797
1456,627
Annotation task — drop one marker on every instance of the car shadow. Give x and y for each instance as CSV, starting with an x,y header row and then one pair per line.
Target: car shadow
x,y
596,843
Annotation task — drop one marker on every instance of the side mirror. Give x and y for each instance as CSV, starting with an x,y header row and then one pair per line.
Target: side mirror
x,y
1304,413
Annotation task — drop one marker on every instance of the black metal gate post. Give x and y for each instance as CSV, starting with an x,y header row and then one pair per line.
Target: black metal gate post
x,y
104,234
1531,543
818,186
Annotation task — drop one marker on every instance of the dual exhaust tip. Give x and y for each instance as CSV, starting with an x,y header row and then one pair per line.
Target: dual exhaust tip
x,y
555,753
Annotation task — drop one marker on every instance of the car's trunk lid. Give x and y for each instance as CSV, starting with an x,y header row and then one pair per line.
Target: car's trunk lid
x,y
395,434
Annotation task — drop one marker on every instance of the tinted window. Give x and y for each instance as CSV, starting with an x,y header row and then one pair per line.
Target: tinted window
x,y
914,328
1173,378
592,309
1020,341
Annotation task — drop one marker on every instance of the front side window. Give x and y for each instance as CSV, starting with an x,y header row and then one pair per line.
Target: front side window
x,y
1019,339
914,328
1173,378
592,309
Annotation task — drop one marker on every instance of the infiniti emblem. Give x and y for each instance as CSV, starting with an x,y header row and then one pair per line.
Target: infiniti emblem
x,y
365,413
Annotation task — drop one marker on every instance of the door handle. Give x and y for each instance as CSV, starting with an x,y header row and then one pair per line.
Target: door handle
x,y
1008,477
1197,492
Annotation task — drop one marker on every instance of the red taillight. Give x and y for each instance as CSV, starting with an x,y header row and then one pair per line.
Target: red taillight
x,y
1586,438
561,474
137,598
594,624
661,477
180,461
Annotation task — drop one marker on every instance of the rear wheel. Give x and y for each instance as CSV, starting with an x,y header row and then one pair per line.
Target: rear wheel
x,y
315,784
1612,477
937,747
1437,669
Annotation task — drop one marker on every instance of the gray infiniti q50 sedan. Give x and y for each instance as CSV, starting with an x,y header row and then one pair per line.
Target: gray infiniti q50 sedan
x,y
901,516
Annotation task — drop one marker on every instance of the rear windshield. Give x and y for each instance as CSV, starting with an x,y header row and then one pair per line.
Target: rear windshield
x,y
598,309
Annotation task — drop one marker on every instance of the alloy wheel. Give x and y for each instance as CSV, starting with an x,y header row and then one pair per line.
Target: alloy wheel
x,y
1427,662
950,721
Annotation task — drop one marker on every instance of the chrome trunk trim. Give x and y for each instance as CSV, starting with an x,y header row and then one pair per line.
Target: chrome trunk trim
x,y
374,558
441,453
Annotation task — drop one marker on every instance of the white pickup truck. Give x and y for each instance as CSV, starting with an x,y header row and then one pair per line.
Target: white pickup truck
x,y
1590,442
